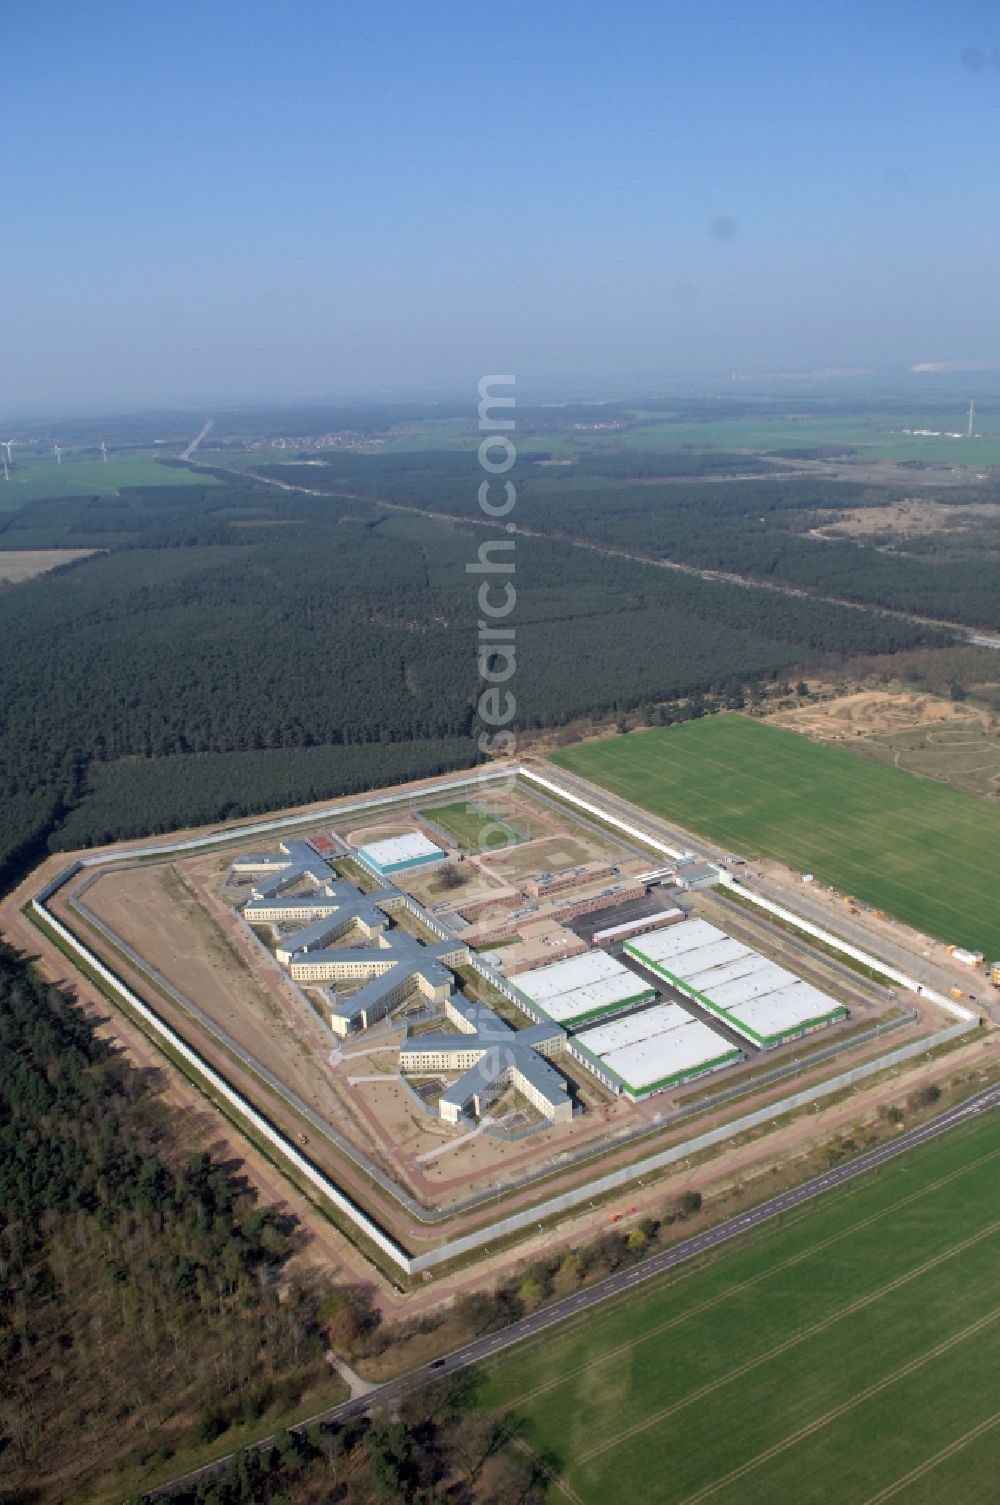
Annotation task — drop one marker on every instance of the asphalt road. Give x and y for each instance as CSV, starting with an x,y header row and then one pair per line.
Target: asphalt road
x,y
571,1306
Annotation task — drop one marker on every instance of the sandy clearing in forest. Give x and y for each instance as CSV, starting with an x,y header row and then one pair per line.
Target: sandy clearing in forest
x,y
871,713
17,565
913,517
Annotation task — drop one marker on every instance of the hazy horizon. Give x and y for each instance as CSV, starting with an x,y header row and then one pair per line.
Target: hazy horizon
x,y
235,204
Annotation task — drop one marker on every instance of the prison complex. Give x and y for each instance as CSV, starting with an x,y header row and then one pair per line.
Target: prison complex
x,y
392,965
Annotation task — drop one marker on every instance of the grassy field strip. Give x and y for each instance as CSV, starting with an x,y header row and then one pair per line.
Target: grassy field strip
x,y
772,1414
861,1438
941,1456
744,1366
806,1333
589,1337
735,1423
945,1346
735,1290
735,793
913,847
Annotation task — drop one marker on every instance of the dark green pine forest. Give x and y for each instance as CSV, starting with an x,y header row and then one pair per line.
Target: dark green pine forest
x,y
234,649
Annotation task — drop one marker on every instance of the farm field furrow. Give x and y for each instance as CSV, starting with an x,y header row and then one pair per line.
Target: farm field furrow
x,y
914,848
843,1357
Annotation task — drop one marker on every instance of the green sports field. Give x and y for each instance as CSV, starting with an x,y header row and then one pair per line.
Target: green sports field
x,y
912,847
473,827
849,1356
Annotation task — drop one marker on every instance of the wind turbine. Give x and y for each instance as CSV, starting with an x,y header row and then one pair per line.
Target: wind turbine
x,y
8,445
104,451
58,453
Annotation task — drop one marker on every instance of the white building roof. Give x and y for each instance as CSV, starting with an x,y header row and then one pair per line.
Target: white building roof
x,y
414,846
753,992
768,978
742,966
655,1045
704,958
783,1009
581,985
662,944
659,917
574,972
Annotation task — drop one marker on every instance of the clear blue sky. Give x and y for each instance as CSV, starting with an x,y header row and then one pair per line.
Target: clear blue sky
x,y
253,199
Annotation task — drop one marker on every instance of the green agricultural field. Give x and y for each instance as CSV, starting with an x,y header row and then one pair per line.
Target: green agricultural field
x,y
848,1356
910,846
474,827
874,438
32,480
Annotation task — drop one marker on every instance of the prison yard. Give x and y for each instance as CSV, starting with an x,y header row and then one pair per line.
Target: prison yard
x,y
477,825
916,849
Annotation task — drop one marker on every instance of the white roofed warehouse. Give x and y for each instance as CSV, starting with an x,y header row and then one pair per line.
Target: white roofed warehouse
x,y
651,1050
583,988
761,1001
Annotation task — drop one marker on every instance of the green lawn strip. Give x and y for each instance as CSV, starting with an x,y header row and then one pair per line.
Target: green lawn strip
x,y
910,846
878,1438
955,1162
35,480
